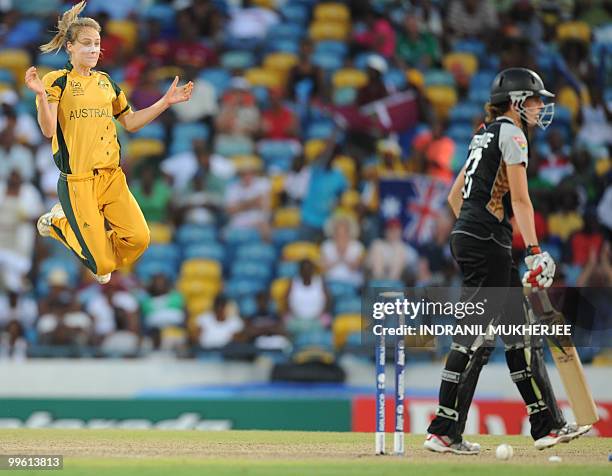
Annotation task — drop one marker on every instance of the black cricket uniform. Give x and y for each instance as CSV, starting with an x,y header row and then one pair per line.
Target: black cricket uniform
x,y
481,243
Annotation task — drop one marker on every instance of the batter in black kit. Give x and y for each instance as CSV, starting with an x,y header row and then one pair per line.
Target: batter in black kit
x,y
491,186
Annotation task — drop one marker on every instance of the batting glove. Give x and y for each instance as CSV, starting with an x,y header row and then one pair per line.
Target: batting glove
x,y
540,268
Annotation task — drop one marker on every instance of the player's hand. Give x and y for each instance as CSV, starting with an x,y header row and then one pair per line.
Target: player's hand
x,y
33,82
175,94
540,269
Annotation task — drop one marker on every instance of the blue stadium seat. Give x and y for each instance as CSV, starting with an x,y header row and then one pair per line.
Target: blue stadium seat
x,y
183,135
261,252
195,234
344,96
347,305
169,253
322,339
285,45
153,130
288,269
337,48
465,112
295,13
396,78
228,146
251,270
285,31
482,80
339,288
247,305
164,14
321,129
271,149
361,60
327,61
219,78
476,47
279,165
235,237
282,236
439,77
262,95
238,60
213,251
480,96
145,270
460,132
23,33
71,266
6,76
54,61
237,288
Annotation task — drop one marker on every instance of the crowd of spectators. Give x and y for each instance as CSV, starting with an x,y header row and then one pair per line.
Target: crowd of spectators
x,y
264,205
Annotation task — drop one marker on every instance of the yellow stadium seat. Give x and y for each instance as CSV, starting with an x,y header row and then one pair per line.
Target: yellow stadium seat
x,y
346,165
280,61
172,337
168,72
288,217
160,233
574,30
568,98
344,325
250,162
350,199
442,98
602,166
199,304
349,78
332,12
264,77
190,287
326,30
415,77
300,250
127,30
277,187
139,148
5,87
278,291
467,62
269,4
17,61
313,148
201,268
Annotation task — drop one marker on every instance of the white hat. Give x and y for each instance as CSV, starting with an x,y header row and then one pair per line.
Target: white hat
x,y
378,63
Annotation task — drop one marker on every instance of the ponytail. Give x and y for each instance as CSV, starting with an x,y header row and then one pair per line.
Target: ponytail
x,y
67,28
495,110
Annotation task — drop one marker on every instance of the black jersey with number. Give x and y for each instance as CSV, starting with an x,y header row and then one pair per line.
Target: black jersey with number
x,y
486,211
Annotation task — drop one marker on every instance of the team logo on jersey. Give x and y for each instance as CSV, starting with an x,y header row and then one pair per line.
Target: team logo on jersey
x,y
103,84
76,88
521,142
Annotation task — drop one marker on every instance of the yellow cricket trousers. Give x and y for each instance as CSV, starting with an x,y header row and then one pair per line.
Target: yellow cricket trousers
x,y
91,201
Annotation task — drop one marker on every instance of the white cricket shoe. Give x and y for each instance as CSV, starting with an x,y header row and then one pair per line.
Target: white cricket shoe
x,y
566,434
102,278
45,221
443,444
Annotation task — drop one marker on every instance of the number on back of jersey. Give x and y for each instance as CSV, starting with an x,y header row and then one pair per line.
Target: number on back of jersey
x,y
478,143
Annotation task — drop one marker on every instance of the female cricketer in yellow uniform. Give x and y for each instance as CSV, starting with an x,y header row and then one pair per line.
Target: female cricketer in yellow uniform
x,y
97,217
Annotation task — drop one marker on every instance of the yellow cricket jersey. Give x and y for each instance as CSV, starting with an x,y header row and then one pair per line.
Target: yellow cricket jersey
x,y
86,136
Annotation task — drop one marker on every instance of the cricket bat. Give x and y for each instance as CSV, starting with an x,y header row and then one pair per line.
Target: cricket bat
x,y
568,363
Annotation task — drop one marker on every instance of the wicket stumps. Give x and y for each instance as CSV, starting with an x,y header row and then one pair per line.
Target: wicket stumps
x,y
400,365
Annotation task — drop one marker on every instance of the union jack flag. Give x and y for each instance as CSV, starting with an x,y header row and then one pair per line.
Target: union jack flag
x,y
416,201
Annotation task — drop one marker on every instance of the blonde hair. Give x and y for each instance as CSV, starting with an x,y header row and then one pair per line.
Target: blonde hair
x,y
68,27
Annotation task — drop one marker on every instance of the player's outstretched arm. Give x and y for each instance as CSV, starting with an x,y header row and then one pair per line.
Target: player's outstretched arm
x,y
138,119
47,112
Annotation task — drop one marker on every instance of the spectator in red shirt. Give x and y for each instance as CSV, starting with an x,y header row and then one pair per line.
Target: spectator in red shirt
x,y
375,88
586,241
113,46
378,35
278,121
189,51
434,152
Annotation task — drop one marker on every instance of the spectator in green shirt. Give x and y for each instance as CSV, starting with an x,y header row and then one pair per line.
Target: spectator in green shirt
x,y
153,195
416,48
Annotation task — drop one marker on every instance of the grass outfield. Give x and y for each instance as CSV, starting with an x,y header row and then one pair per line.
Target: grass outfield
x,y
269,453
